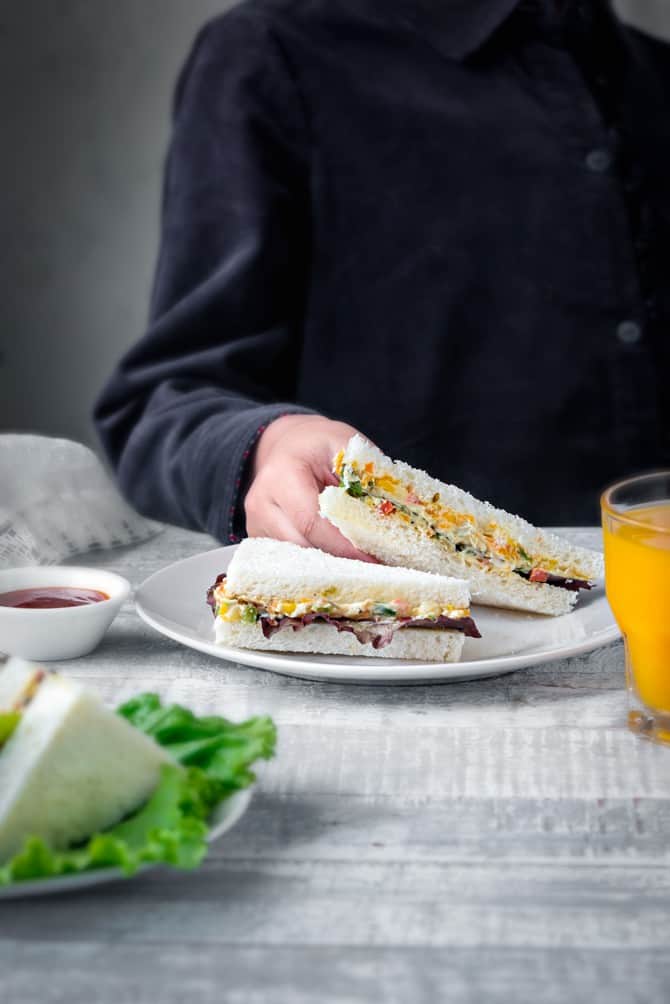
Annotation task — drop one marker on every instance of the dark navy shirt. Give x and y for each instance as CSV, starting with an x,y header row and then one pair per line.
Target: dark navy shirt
x,y
446,222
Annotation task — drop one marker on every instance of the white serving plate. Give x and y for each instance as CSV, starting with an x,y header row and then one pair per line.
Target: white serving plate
x,y
173,602
224,818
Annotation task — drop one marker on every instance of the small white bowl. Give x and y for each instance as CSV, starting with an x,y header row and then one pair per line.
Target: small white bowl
x,y
58,632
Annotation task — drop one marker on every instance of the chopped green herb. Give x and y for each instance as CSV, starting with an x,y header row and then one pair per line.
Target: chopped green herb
x,y
380,610
355,489
250,614
526,557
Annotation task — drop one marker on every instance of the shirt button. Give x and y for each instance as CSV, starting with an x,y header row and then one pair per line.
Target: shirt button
x,y
598,160
629,332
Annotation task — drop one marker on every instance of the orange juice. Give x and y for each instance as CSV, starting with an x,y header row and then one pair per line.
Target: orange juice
x,y
637,578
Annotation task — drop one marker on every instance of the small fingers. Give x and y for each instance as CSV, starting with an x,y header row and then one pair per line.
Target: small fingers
x,y
328,538
275,523
299,500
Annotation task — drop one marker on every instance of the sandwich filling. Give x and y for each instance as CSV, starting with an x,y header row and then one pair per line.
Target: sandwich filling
x,y
370,621
485,545
11,716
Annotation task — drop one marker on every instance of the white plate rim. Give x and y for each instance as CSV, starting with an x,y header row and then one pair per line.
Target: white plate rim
x,y
224,817
299,665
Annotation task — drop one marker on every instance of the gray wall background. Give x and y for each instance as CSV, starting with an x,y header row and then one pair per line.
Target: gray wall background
x,y
85,96
85,91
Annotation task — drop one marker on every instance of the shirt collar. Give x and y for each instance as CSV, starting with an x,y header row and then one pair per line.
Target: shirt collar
x,y
456,27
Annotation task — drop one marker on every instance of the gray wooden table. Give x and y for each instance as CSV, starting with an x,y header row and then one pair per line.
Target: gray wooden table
x,y
504,840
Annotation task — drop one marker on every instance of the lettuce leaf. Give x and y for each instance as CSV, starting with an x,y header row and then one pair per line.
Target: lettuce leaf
x,y
8,722
224,750
171,828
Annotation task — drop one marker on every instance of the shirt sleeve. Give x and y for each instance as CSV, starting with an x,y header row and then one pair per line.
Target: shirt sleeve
x,y
180,415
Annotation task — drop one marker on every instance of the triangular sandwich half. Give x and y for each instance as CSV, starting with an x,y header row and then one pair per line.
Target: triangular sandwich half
x,y
403,516
282,597
70,766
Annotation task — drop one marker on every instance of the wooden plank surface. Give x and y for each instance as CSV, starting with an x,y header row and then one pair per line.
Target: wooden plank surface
x,y
503,840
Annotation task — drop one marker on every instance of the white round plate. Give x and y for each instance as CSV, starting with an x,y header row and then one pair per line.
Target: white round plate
x,y
173,601
224,818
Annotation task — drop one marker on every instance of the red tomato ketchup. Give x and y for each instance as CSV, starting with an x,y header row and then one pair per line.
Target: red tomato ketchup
x,y
48,597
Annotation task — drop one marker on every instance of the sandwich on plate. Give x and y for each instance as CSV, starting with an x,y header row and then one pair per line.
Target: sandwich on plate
x,y
83,787
403,516
71,766
276,595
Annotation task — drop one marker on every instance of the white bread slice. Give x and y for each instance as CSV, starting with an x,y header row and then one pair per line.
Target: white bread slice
x,y
71,767
424,645
398,543
262,568
18,680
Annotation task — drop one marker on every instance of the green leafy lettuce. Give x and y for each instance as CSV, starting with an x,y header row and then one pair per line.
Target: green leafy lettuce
x,y
215,755
8,722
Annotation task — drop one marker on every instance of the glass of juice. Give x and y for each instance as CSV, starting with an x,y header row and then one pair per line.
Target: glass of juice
x,y
636,530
